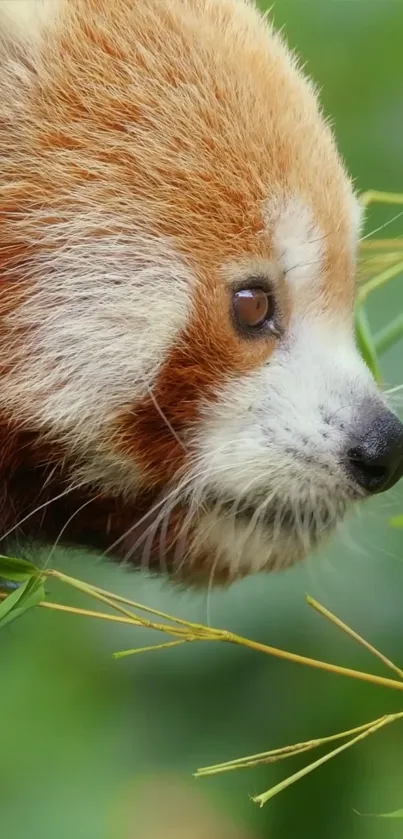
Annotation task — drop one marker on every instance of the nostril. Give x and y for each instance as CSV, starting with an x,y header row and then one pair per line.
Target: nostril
x,y
367,471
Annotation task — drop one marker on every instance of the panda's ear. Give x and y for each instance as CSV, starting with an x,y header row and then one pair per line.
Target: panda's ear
x,y
22,22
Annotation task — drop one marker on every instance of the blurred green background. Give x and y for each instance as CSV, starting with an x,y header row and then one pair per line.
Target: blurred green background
x,y
93,748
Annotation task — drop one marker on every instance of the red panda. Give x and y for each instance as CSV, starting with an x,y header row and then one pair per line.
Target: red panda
x,y
180,386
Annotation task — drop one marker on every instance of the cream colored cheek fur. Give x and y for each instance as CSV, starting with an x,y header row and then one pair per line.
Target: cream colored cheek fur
x,y
102,317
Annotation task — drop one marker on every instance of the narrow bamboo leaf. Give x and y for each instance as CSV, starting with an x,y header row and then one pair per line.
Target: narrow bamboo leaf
x,y
17,570
266,796
152,648
29,594
366,343
397,521
398,814
11,602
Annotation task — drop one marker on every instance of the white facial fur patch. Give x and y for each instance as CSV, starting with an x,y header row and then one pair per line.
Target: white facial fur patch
x,y
298,243
277,436
102,314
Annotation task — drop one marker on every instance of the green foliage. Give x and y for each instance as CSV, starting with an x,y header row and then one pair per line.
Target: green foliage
x,y
27,595
366,343
17,570
398,814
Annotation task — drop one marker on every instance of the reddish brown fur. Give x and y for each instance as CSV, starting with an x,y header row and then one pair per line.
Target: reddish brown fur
x,y
197,171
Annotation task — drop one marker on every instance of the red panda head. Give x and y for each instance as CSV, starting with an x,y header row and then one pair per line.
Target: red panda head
x,y
179,380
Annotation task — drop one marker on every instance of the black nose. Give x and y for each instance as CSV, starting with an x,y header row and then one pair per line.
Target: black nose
x,y
375,461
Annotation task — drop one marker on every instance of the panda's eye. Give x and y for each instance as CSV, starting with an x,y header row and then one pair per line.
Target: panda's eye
x,y
254,308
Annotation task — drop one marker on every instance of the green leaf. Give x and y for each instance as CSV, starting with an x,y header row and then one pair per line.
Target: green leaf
x,y
29,594
398,814
17,570
397,521
366,343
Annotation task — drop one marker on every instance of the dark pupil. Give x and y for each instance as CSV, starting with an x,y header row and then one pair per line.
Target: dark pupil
x,y
252,306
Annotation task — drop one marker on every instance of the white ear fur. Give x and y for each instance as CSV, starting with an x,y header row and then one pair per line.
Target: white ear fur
x,y
359,215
